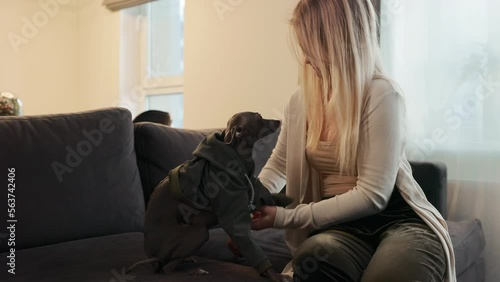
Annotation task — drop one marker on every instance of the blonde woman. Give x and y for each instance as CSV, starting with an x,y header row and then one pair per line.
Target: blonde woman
x,y
358,214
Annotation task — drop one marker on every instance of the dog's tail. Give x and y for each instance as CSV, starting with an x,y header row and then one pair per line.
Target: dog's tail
x,y
153,263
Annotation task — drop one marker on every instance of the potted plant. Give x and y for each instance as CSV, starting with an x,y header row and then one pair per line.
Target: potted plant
x,y
10,105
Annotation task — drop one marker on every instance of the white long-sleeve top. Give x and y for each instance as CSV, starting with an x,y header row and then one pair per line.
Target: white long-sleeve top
x,y
381,163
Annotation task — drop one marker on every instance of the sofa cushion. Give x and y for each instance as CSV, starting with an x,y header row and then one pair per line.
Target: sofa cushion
x,y
76,176
468,242
474,273
105,259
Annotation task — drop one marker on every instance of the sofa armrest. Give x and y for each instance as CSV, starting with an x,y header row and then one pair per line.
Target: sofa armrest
x,y
432,177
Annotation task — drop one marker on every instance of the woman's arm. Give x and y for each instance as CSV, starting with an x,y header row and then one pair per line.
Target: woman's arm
x,y
381,145
273,174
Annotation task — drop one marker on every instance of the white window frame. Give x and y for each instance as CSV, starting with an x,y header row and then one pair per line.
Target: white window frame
x,y
151,85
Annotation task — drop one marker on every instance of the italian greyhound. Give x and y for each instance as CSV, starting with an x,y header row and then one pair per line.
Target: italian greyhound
x,y
216,187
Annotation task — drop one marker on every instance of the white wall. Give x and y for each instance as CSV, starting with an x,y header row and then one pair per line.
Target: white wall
x,y
42,72
98,37
236,60
69,63
134,22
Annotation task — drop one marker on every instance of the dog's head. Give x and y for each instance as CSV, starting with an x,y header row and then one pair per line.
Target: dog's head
x,y
248,127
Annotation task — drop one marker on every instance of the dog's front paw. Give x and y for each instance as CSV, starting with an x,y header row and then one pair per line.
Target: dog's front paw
x,y
281,200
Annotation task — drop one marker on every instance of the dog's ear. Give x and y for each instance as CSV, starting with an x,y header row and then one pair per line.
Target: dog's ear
x,y
228,136
232,134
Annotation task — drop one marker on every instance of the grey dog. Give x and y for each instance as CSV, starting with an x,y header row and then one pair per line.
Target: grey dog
x,y
216,187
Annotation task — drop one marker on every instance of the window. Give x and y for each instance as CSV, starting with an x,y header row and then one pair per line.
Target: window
x,y
166,38
171,103
152,58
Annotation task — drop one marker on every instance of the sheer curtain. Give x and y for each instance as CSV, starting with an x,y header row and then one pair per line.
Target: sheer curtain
x,y
445,55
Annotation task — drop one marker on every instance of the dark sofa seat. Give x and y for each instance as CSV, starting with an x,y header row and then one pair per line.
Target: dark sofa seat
x,y
88,227
105,258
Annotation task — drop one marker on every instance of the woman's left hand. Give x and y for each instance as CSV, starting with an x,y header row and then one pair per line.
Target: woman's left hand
x,y
263,217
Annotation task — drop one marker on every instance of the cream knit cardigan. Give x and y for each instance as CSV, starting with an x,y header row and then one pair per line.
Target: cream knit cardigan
x,y
381,163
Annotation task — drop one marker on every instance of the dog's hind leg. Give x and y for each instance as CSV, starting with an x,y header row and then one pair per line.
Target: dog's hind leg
x,y
189,239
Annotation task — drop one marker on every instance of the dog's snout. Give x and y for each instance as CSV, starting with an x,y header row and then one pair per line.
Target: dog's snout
x,y
270,126
277,123
273,124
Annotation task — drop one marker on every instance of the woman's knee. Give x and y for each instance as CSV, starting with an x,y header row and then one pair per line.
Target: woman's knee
x,y
329,255
408,253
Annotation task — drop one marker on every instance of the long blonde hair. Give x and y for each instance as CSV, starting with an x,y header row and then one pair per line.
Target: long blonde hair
x,y
340,38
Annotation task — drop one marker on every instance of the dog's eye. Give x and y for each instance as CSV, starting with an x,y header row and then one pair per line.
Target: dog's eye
x,y
239,129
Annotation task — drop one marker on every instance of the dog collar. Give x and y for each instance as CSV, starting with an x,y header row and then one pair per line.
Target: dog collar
x,y
251,206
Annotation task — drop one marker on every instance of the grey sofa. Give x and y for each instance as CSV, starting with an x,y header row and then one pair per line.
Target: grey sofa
x,y
82,184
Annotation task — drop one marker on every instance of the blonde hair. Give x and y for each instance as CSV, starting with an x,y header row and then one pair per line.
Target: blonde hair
x,y
340,39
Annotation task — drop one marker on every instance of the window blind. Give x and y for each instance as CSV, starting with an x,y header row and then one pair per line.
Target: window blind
x,y
116,5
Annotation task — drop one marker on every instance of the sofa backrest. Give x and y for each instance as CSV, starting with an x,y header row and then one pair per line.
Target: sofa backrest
x,y
161,148
76,176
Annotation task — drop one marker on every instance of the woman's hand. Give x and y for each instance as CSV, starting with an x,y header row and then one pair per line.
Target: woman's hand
x,y
263,217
